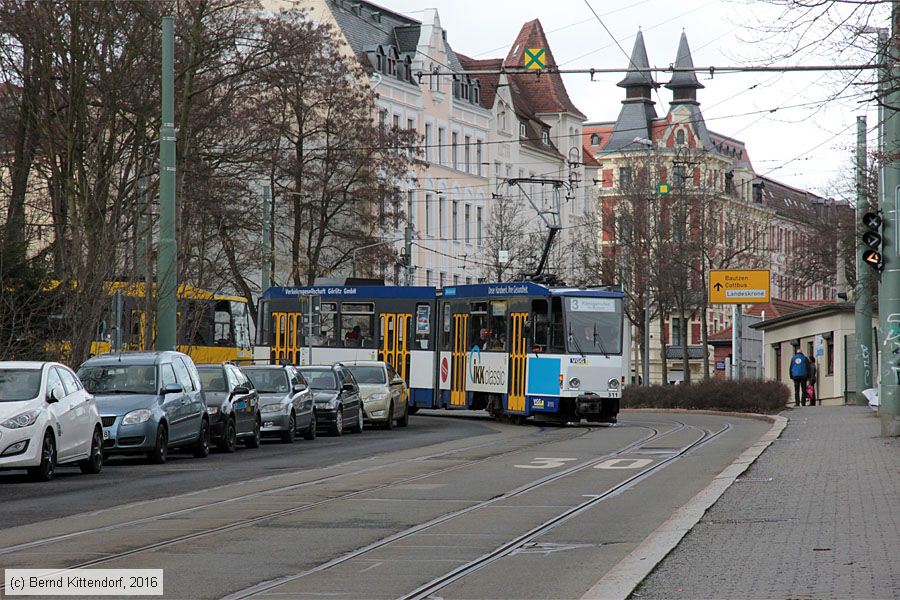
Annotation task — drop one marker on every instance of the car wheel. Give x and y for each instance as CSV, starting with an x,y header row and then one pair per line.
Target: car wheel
x,y
201,447
93,464
358,428
255,440
288,436
159,454
310,433
338,427
404,420
228,443
390,421
45,471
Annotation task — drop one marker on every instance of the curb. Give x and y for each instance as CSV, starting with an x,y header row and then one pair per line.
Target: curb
x,y
623,578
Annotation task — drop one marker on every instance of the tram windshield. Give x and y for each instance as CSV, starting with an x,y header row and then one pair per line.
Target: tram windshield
x,y
593,325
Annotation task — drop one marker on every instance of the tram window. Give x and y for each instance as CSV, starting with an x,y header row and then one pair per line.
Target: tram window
x,y
264,323
357,321
557,337
540,325
328,320
241,324
445,328
497,338
423,326
222,324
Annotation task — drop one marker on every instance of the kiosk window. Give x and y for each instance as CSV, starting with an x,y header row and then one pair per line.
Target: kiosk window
x,y
357,321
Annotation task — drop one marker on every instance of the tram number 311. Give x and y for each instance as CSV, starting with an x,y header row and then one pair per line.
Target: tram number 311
x,y
613,463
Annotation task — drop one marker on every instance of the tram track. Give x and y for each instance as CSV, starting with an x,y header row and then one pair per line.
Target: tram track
x,y
266,586
289,511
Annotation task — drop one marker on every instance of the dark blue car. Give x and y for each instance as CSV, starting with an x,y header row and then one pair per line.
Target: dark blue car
x,y
149,403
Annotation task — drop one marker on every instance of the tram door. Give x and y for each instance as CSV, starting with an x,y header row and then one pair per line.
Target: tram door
x,y
286,337
394,347
458,370
517,361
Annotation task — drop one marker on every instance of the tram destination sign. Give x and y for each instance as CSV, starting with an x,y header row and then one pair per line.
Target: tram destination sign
x,y
734,286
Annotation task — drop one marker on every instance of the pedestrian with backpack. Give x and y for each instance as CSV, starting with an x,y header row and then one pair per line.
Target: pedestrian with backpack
x,y
799,374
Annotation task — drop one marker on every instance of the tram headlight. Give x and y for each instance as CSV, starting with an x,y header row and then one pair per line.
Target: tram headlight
x,y
612,384
574,383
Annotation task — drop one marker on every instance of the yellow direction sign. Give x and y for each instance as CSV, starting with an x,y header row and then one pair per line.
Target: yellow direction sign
x,y
733,286
534,58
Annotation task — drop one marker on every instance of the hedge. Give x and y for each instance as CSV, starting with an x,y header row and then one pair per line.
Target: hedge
x,y
745,395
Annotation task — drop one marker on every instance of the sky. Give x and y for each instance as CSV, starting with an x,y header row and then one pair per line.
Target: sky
x,y
810,146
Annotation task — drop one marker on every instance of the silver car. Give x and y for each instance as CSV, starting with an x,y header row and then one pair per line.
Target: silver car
x,y
384,393
285,401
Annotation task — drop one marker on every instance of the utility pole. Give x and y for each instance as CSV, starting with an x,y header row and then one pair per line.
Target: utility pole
x,y
737,333
889,292
266,277
407,252
863,299
166,267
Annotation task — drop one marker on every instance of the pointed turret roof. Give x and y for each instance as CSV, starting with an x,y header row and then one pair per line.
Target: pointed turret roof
x,y
638,60
684,79
547,92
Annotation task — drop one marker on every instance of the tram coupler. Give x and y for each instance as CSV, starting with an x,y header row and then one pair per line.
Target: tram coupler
x,y
596,408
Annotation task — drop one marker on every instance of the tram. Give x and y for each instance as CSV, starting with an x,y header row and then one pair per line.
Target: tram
x,y
518,350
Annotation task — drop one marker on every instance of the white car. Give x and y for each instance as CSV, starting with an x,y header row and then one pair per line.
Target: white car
x,y
47,418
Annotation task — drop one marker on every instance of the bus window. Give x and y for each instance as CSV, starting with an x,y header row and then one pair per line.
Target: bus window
x,y
557,337
445,327
479,328
540,319
222,335
497,338
357,321
423,326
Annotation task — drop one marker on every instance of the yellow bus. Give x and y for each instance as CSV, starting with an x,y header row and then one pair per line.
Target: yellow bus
x,y
212,328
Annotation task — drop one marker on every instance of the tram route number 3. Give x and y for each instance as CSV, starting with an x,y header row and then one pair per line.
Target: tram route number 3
x,y
613,463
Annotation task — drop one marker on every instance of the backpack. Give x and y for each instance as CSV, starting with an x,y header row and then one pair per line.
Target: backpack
x,y
799,367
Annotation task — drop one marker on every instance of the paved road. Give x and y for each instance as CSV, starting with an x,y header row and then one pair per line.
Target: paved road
x,y
515,512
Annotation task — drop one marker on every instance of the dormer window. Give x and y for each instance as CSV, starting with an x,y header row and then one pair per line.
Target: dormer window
x,y
523,130
476,92
464,88
595,140
679,137
545,137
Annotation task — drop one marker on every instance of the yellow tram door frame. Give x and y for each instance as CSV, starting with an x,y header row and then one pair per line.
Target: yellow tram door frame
x,y
285,329
517,363
458,371
395,342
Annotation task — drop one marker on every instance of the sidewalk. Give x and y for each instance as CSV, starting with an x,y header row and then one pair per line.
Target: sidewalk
x,y
817,516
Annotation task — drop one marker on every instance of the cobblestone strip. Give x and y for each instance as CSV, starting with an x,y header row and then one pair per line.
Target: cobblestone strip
x,y
621,580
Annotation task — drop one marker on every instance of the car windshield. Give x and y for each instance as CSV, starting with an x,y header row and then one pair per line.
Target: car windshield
x,y
368,374
269,381
320,379
19,384
119,379
213,380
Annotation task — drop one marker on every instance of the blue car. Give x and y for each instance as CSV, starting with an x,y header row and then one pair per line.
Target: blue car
x,y
149,403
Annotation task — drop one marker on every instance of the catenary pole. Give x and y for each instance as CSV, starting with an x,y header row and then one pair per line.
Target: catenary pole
x,y
889,292
166,267
266,277
863,299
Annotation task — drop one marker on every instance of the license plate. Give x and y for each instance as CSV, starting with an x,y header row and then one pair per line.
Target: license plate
x,y
105,434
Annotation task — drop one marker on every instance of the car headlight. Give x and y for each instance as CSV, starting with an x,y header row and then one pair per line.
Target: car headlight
x,y
574,383
612,384
24,419
136,417
212,410
269,409
377,397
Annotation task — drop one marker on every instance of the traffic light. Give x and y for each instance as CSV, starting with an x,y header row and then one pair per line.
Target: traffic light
x,y
871,237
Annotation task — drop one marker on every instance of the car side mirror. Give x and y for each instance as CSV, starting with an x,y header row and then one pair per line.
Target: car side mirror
x,y
55,395
298,387
347,387
240,390
172,388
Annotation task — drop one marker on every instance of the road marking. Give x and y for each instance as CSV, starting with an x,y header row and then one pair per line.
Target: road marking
x,y
370,567
624,463
546,463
